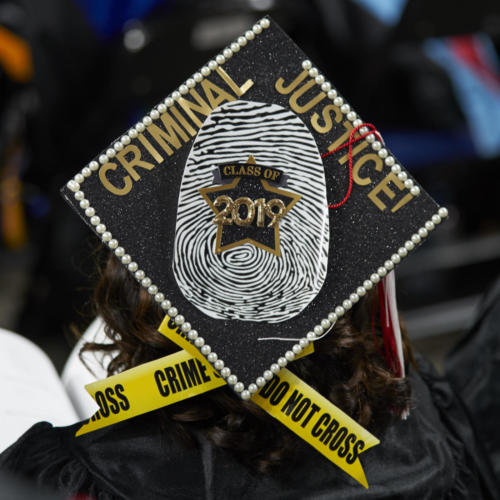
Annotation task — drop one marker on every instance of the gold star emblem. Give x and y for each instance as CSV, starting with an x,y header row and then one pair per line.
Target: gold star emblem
x,y
230,235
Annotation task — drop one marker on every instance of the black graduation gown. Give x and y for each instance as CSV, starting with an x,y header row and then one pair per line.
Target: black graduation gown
x,y
432,455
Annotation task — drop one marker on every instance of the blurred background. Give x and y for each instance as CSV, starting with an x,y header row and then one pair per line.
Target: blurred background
x,y
76,73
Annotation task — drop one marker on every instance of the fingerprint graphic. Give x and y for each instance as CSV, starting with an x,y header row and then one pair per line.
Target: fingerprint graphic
x,y
248,283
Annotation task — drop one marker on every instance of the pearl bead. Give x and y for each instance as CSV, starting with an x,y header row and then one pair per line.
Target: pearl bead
x,y
357,123
86,172
443,212
198,77
377,145
409,245
275,368
389,161
79,178
205,71
235,47
326,86
403,252
252,388
176,95
212,357
370,138
147,120
146,282
93,165
345,108
282,361
172,311
306,64
319,79
383,153
415,190
339,311
402,176
166,304
159,297
313,72
186,326
338,101
119,251
265,23
126,259
155,114
192,335
325,324
169,101
100,228
347,304
318,330
190,83
408,183
225,372
232,379
332,317
416,238
423,233
132,133
303,343
261,381
113,244
106,236
361,291
289,355
206,349
268,374
79,195
125,140
396,258
354,297
117,146
436,219
199,341
139,275
382,271
245,395
94,220
242,41
249,35
297,349
152,290
162,108
351,116
227,53
374,278
332,94
257,28
220,59
183,89
219,364
368,284
311,336
140,127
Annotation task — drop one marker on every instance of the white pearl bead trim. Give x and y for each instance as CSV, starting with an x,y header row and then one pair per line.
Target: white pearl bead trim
x,y
161,108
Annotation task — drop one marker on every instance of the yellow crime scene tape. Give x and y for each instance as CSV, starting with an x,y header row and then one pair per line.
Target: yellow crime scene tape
x,y
187,373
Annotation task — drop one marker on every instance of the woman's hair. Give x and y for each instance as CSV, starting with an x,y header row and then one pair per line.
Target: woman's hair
x,y
347,367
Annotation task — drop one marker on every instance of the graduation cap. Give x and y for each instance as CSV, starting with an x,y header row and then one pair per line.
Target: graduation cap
x,y
254,206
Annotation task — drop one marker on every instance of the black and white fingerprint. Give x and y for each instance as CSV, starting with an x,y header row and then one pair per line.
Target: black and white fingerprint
x,y
246,282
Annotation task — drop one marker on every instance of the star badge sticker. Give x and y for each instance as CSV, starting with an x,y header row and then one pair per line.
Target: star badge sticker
x,y
249,208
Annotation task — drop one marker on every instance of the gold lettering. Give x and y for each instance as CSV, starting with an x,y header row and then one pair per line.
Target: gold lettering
x,y
325,112
343,138
239,91
226,170
188,106
152,151
364,181
383,186
215,94
167,135
286,90
136,161
111,187
300,92
183,121
402,202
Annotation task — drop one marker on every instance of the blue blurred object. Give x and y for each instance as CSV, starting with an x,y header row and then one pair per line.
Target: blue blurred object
x,y
387,11
472,65
107,17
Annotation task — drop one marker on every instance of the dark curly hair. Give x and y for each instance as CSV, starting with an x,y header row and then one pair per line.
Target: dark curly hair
x,y
346,367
